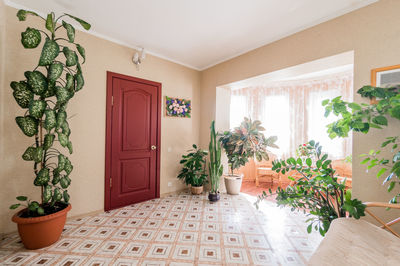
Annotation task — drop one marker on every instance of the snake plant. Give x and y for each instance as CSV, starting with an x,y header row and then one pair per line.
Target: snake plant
x,y
215,167
44,95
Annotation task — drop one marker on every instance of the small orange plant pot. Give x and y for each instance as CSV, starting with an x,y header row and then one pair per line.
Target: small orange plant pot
x,y
40,232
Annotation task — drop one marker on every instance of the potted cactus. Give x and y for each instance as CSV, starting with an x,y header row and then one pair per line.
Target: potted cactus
x,y
193,170
215,167
240,144
44,95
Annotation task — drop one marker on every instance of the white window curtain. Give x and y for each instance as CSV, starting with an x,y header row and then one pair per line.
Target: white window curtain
x,y
292,111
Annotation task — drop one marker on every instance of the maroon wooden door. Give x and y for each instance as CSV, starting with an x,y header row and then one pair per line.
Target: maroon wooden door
x,y
133,140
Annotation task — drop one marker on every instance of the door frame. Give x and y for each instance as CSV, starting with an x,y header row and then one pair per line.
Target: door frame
x,y
109,106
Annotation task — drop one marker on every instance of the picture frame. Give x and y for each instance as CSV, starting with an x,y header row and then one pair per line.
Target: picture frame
x,y
177,107
385,76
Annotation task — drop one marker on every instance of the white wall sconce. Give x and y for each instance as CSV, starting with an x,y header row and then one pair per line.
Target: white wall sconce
x,y
138,57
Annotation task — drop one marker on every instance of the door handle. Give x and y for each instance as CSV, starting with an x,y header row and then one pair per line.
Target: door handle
x,y
153,147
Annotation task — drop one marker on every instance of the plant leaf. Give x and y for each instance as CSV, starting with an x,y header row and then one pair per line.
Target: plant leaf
x,y
36,108
50,51
84,24
80,82
37,81
22,198
29,154
42,178
81,51
28,125
21,14
70,31
71,56
50,22
55,71
30,38
22,94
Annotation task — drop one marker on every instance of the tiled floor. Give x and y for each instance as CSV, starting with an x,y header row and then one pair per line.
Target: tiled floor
x,y
177,230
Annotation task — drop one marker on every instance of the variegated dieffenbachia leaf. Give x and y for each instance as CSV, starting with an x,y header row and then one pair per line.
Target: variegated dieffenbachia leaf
x,y
57,196
63,139
43,177
79,81
50,24
62,94
22,93
49,52
36,108
65,128
21,14
64,182
47,193
69,82
61,117
61,162
83,23
51,89
37,81
81,51
29,154
50,119
38,154
30,38
71,57
48,141
70,148
68,166
55,71
66,196
28,125
70,31
56,177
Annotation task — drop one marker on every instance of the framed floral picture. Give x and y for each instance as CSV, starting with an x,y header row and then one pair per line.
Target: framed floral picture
x,y
176,107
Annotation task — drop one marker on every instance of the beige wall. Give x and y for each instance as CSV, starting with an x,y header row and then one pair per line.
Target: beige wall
x,y
372,32
88,126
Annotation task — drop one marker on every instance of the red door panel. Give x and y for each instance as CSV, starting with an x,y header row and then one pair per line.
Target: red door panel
x,y
133,141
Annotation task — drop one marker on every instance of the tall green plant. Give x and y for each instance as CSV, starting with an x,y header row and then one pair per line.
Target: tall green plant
x,y
246,141
361,118
317,190
194,167
44,95
215,167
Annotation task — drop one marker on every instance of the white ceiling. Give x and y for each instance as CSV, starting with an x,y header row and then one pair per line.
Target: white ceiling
x,y
196,33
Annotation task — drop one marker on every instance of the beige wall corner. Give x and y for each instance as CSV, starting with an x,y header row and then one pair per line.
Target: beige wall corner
x,y
372,32
88,124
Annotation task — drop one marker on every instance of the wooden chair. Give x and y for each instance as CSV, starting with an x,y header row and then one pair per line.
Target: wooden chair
x,y
383,205
264,170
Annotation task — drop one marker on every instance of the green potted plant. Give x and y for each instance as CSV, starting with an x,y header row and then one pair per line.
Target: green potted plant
x,y
360,118
215,167
193,170
240,144
44,96
317,190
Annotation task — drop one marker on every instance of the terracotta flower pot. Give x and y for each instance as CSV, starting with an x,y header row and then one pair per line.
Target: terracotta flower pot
x,y
40,232
233,183
197,190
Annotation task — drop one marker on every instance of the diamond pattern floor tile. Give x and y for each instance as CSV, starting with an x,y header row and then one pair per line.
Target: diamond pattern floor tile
x,y
180,229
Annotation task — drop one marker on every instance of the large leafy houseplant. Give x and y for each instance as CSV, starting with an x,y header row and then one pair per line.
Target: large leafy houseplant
x,y
193,170
246,141
215,167
44,95
361,118
317,190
